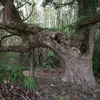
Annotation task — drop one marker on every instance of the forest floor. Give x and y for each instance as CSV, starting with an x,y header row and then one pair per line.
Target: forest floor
x,y
50,87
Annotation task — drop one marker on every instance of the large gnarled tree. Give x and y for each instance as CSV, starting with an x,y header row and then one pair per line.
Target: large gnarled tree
x,y
75,60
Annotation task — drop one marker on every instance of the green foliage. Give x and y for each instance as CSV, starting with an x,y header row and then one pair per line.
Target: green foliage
x,y
13,59
3,73
96,56
14,76
54,96
96,65
89,4
14,97
50,54
51,60
61,98
57,97
98,26
11,75
71,27
49,79
89,17
53,29
30,83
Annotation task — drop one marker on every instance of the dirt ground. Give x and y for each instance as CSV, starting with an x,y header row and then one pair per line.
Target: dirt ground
x,y
50,87
45,73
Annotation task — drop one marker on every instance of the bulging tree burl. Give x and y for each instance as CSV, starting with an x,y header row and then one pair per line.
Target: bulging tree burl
x,y
75,60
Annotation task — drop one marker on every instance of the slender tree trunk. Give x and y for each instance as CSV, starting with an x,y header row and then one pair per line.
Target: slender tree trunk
x,y
31,56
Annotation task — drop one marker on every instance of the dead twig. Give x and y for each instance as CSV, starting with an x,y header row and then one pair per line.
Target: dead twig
x,y
1,97
21,96
25,94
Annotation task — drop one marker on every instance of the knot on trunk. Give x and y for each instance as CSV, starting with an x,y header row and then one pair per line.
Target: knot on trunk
x,y
75,52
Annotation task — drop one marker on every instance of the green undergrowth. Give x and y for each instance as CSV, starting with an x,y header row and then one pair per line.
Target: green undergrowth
x,y
13,75
96,56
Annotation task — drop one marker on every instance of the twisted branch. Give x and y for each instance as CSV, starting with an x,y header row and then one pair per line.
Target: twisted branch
x,y
6,37
30,13
22,5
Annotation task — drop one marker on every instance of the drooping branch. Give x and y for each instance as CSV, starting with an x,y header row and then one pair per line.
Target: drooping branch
x,y
56,5
8,30
22,4
2,38
30,4
88,20
30,13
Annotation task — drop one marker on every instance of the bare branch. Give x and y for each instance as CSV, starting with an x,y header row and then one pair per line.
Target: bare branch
x,y
8,30
88,20
1,97
30,13
6,37
62,4
20,95
26,94
22,4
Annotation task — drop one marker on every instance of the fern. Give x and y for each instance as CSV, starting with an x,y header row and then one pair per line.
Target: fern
x,y
30,84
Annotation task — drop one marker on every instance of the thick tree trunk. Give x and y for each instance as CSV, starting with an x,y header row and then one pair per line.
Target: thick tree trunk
x,y
78,71
77,67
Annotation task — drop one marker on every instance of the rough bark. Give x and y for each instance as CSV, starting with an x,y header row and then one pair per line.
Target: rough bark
x,y
79,68
76,62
